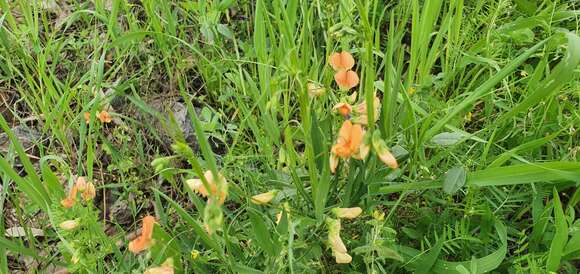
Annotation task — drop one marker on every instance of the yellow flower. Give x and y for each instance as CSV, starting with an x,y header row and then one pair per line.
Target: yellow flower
x,y
347,213
194,254
338,248
165,268
378,215
69,225
264,198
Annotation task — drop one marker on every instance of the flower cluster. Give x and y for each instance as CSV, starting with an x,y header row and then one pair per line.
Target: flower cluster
x,y
87,191
353,141
103,116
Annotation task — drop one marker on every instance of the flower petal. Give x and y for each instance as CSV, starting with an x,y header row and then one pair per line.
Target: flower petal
x,y
341,61
342,258
144,241
347,213
346,79
333,162
264,198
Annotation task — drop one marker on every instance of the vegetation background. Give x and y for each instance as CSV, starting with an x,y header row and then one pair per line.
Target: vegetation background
x,y
479,103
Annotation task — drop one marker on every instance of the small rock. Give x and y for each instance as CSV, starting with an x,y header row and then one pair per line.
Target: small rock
x,y
16,232
120,212
182,118
27,137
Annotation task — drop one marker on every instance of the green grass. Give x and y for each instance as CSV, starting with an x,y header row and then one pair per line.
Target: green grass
x,y
480,104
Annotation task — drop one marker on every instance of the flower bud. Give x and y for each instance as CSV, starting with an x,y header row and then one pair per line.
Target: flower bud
x,y
196,185
315,90
69,225
383,151
264,198
81,183
338,248
347,213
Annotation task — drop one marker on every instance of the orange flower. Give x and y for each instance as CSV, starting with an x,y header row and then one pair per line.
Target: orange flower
x,y
341,61
343,108
79,186
144,241
70,201
104,117
349,139
87,116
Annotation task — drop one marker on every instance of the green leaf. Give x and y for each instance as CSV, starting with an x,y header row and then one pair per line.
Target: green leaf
x,y
225,31
548,172
17,248
261,233
426,262
481,265
454,179
447,138
383,252
560,237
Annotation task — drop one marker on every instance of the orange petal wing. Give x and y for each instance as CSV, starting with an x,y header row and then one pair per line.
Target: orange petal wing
x,y
341,61
356,137
346,79
344,132
144,241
